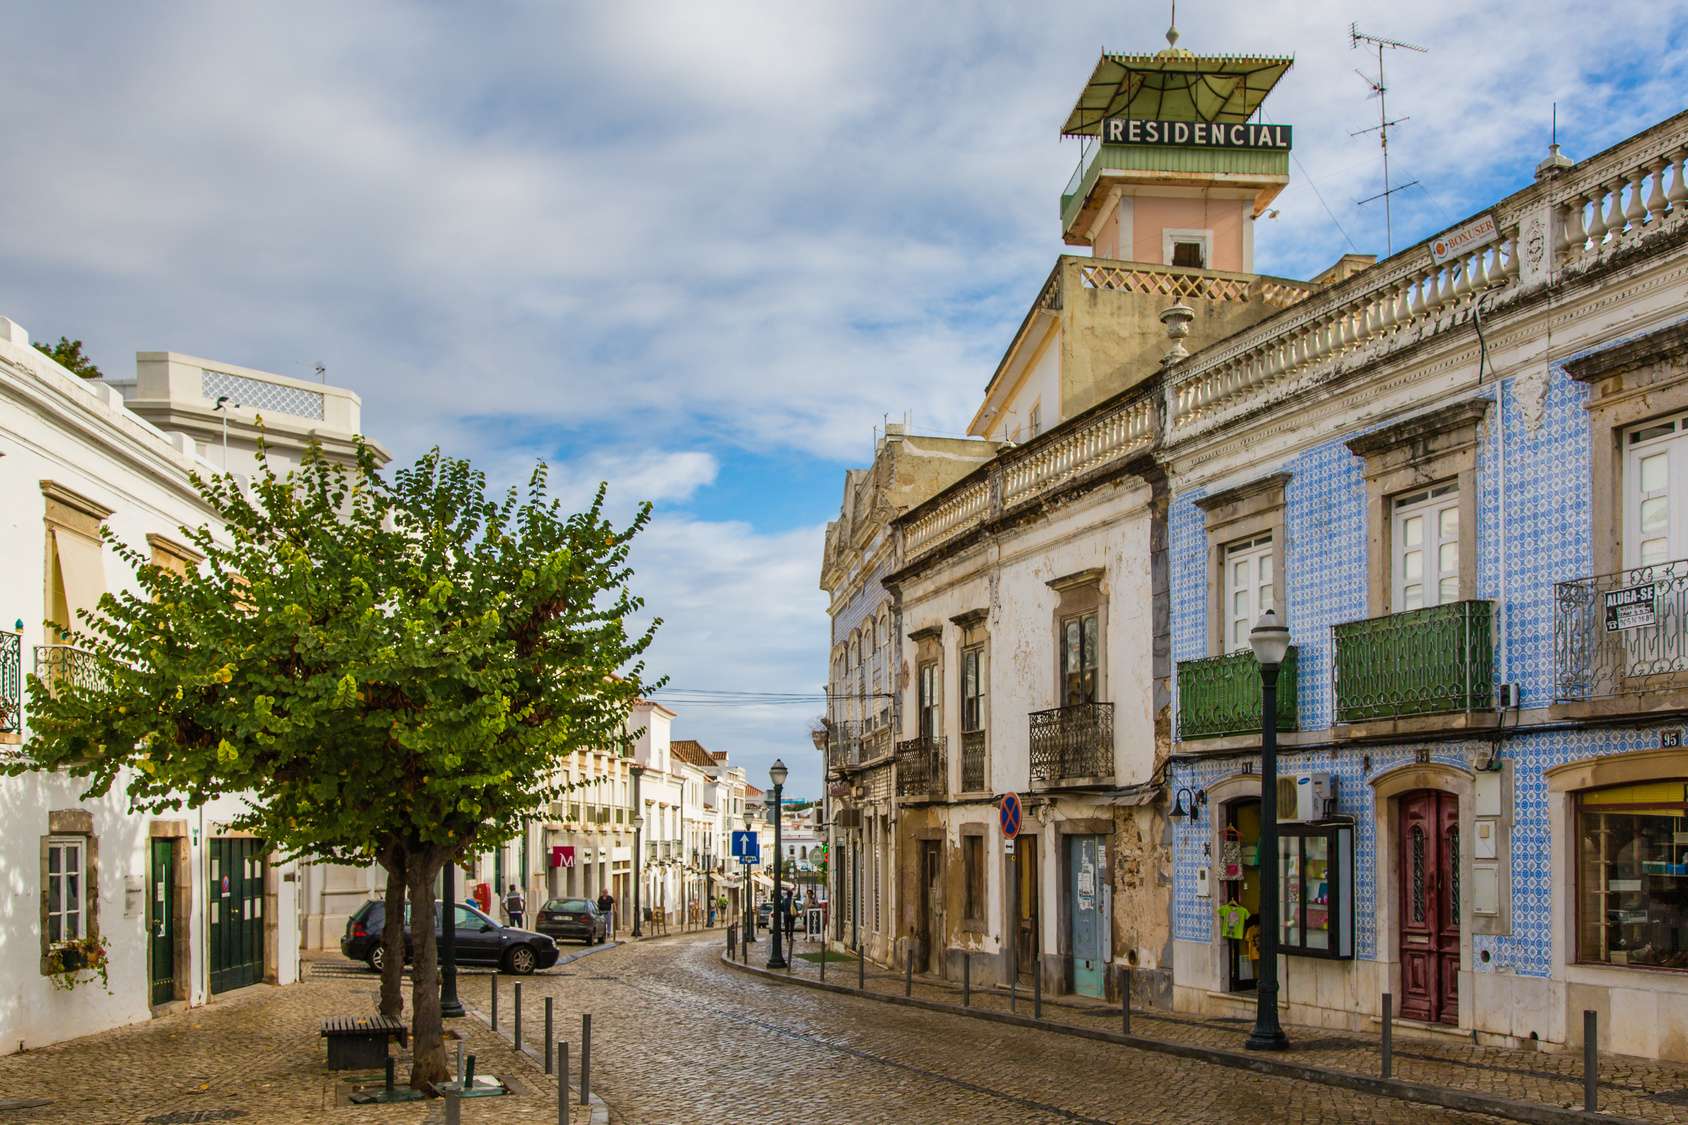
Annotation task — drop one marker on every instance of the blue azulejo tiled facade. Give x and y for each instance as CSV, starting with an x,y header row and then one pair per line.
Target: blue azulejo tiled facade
x,y
1542,936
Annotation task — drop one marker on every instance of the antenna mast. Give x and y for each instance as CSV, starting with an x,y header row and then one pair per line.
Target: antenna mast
x,y
1379,88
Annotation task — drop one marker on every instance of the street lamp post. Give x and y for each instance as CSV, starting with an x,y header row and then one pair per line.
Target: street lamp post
x,y
1270,641
776,774
450,1006
638,846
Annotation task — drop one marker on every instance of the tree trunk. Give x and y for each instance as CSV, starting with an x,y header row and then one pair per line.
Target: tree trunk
x,y
392,935
427,1036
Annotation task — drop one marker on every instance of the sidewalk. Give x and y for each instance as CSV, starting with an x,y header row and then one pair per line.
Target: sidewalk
x,y
254,1054
1641,1089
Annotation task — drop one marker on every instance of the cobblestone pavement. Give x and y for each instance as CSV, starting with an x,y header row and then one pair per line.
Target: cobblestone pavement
x,y
1639,1088
255,1052
679,1037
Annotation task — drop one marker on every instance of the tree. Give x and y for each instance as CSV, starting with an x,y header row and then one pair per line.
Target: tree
x,y
68,354
384,669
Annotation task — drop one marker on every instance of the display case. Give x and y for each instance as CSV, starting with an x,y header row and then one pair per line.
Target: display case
x,y
1316,889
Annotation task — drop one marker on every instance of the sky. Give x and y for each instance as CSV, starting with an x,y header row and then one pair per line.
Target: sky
x,y
700,251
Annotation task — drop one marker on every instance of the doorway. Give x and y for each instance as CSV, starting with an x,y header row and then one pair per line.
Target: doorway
x,y
1027,897
1429,929
931,933
1085,913
161,922
237,912
1238,873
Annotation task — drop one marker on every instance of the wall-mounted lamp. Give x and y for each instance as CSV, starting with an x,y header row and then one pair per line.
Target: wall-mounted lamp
x,y
1198,801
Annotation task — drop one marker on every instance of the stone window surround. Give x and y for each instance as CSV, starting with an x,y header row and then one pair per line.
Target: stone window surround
x,y
181,910
973,631
1424,450
1563,783
1631,383
1239,513
72,822
171,555
1080,593
975,924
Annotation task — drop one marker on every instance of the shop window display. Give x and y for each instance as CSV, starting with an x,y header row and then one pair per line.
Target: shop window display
x,y
1632,875
1315,886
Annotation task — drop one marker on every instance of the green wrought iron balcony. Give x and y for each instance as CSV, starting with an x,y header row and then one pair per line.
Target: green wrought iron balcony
x,y
11,685
1433,661
1220,696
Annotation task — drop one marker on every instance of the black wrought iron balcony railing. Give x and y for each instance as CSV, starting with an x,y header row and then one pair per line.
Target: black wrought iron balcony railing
x,y
920,767
844,745
1620,634
973,761
66,665
1220,696
1433,661
1072,745
11,684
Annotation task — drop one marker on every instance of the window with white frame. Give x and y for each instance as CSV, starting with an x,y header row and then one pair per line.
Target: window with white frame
x,y
972,689
67,903
1654,485
1249,566
1190,248
929,706
1426,547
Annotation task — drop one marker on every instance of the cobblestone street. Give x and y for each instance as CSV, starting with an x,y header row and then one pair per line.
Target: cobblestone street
x,y
677,1037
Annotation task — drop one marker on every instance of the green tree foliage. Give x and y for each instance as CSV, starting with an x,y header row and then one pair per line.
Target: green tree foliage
x,y
384,668
69,355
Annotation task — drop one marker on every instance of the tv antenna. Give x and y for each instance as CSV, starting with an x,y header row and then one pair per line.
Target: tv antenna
x,y
1380,90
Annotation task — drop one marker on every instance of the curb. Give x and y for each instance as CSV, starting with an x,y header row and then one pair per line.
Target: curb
x,y
1423,1093
600,1108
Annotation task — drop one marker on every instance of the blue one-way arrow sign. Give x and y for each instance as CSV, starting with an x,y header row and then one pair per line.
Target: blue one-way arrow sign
x,y
745,848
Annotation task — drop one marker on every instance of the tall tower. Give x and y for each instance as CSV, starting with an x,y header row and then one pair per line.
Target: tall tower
x,y
1177,164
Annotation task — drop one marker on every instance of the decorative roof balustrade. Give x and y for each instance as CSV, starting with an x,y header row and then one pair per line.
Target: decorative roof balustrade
x,y
1609,203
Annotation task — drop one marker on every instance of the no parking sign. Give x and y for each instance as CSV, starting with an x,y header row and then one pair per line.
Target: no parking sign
x,y
1008,815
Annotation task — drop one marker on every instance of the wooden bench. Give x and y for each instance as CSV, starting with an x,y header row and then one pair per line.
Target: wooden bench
x,y
356,1042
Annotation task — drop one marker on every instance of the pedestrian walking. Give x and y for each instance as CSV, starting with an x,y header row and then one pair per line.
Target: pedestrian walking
x,y
606,907
515,906
790,917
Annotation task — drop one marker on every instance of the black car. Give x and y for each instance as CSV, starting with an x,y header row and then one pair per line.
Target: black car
x,y
480,940
573,918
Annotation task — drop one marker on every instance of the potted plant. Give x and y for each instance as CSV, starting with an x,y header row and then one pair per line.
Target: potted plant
x,y
79,961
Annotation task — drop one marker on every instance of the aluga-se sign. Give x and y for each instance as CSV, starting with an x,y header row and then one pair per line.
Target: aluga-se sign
x,y
1195,134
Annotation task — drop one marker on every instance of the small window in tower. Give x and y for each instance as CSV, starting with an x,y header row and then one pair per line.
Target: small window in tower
x,y
1188,254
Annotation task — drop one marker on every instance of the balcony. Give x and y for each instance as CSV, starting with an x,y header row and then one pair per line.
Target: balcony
x,y
11,686
1433,661
1220,696
920,768
843,745
1256,167
57,665
1072,745
1621,634
973,761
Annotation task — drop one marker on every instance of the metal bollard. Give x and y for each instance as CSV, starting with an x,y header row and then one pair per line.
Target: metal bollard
x,y
966,980
824,951
1125,1000
1014,989
516,1038
549,1042
562,1082
460,1062
1388,1035
1591,1061
908,973
495,1000
389,1075
469,1073
1037,992
585,1058
453,1107
861,968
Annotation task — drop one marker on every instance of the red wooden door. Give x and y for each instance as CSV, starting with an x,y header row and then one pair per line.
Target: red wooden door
x,y
1429,879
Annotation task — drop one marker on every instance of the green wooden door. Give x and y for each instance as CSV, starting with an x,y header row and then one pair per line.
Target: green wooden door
x,y
237,912
161,922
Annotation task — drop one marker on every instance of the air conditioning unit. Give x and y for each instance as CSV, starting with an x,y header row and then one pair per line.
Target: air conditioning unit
x,y
1306,797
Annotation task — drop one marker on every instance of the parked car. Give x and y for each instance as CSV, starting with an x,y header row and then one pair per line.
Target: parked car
x,y
576,918
763,913
479,939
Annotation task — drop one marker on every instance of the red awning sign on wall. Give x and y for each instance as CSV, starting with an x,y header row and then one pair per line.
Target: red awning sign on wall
x,y
562,856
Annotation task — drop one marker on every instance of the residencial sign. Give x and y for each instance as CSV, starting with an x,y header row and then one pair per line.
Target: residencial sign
x,y
1462,240
1633,607
1195,134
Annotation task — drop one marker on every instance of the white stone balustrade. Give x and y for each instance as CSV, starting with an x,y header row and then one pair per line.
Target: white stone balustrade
x,y
1601,212
961,509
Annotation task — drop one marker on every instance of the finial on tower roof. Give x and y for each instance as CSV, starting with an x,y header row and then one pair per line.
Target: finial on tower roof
x,y
1172,31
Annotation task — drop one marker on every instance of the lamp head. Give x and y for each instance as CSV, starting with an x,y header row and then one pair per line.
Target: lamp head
x,y
1269,639
777,773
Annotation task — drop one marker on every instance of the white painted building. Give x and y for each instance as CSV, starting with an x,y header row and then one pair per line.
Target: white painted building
x,y
188,907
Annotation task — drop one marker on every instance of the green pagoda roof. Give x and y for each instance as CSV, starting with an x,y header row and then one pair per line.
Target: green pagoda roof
x,y
1175,85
